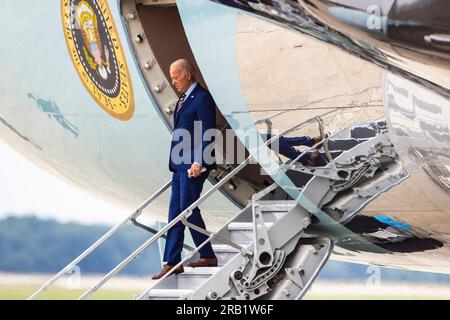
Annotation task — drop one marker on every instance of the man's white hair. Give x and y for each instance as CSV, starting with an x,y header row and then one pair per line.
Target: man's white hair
x,y
183,64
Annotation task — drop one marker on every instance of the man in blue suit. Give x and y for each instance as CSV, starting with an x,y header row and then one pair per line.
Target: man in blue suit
x,y
191,159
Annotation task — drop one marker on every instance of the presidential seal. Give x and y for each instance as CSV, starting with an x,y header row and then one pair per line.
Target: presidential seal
x,y
95,49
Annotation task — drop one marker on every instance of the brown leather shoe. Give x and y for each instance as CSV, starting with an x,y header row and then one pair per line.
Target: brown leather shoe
x,y
204,262
166,268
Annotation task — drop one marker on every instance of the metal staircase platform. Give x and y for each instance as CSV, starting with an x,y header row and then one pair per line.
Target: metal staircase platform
x,y
170,294
282,264
219,285
263,252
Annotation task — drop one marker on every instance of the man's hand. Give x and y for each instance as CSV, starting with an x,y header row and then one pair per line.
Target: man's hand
x,y
195,170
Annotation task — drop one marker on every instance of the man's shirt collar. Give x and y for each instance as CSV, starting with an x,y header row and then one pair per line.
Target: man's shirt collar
x,y
190,89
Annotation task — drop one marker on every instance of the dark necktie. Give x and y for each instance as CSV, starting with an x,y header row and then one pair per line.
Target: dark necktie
x,y
180,102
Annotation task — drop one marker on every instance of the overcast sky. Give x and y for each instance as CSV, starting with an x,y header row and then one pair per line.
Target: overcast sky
x,y
25,188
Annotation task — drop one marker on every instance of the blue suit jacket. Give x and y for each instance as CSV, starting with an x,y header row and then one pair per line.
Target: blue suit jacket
x,y
198,106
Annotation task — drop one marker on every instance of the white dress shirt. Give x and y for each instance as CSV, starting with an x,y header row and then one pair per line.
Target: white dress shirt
x,y
190,89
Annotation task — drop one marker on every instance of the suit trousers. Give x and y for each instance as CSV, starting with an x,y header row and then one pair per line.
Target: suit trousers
x,y
185,191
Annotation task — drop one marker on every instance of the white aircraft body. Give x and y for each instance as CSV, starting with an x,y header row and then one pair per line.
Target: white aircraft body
x,y
86,95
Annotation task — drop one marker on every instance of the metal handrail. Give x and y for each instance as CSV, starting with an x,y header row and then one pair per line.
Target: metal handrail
x,y
264,192
255,197
288,164
187,212
324,137
220,239
136,213
154,231
303,107
298,126
177,265
211,235
243,251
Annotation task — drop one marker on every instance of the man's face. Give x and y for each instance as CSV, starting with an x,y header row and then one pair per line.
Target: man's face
x,y
181,79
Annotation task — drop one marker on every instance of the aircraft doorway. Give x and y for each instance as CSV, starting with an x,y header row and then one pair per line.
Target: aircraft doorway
x,y
158,39
165,33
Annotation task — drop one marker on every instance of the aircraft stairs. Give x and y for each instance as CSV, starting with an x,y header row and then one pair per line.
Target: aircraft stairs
x,y
265,251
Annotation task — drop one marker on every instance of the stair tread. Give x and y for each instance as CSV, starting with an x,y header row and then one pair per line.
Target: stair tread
x,y
224,248
188,271
283,203
245,225
170,292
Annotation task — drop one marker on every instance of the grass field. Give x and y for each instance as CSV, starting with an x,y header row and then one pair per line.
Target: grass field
x,y
20,287
58,293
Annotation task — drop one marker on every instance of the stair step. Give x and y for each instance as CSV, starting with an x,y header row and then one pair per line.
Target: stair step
x,y
276,205
222,248
245,226
242,232
193,278
169,294
199,271
224,253
274,210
